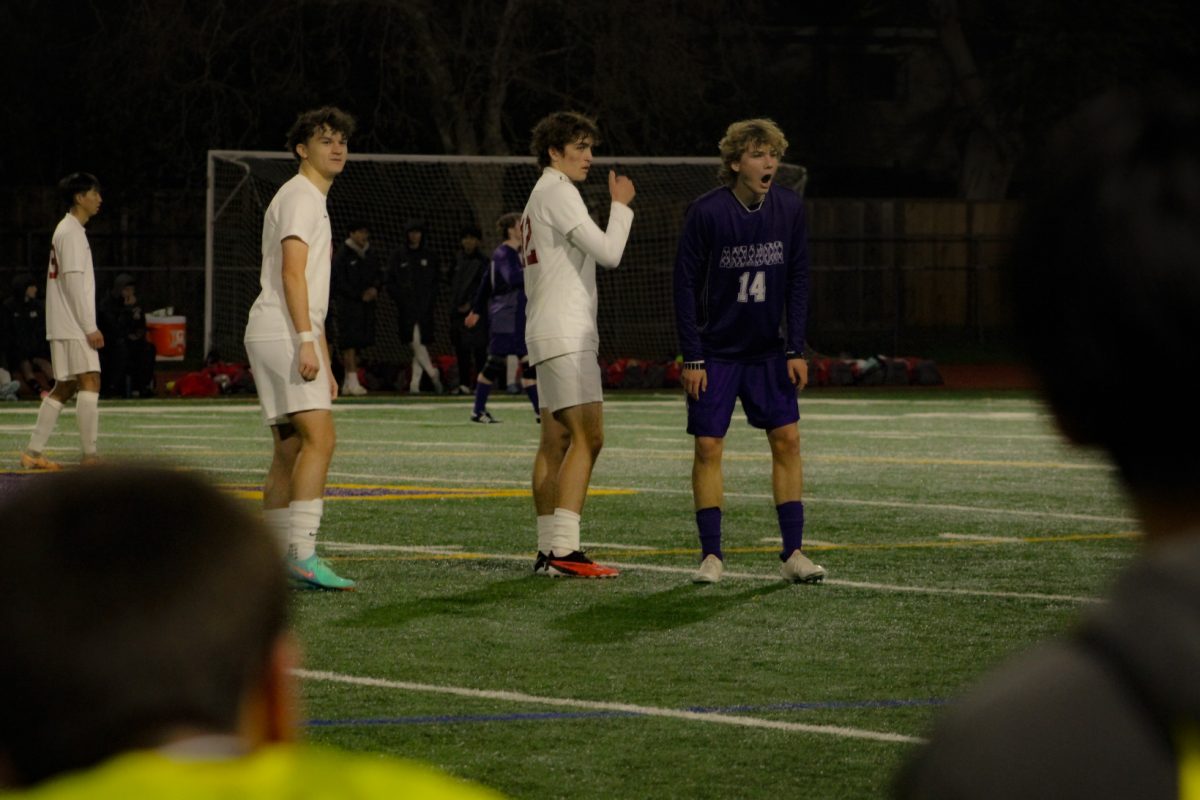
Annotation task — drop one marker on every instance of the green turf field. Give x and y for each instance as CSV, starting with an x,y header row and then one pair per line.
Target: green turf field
x,y
956,528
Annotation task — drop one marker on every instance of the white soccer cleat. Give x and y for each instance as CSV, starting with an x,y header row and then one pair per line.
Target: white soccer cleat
x,y
800,569
357,390
710,570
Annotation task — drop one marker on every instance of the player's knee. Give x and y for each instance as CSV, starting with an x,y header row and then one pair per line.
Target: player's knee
x,y
709,449
555,440
593,440
284,454
785,442
494,369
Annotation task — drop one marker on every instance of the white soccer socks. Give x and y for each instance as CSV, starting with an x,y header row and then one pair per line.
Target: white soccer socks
x,y
545,533
279,523
565,539
47,418
305,520
87,412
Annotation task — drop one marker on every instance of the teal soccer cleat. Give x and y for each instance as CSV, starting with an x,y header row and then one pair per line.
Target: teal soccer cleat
x,y
314,573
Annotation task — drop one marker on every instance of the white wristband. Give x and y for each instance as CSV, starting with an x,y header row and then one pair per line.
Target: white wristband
x,y
306,336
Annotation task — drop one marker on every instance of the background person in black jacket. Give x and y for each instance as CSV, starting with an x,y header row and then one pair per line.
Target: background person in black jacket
x,y
127,360
354,286
26,351
470,344
414,272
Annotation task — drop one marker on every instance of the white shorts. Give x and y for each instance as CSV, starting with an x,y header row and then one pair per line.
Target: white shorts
x,y
71,358
569,380
281,390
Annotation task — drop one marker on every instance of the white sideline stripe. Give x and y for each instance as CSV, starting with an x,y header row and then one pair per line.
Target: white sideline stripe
x,y
1055,598
774,578
597,705
190,425
371,476
250,406
878,587
975,537
1015,512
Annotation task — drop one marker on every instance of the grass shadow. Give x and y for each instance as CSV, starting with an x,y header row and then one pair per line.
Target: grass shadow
x,y
631,617
471,603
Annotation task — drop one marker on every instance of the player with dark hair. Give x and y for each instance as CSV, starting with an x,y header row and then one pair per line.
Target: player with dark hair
x,y
502,295
741,270
561,246
354,288
469,342
1106,272
414,271
75,339
287,348
150,661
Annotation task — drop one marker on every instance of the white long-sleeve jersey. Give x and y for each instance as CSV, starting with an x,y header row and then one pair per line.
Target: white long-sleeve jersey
x,y
561,247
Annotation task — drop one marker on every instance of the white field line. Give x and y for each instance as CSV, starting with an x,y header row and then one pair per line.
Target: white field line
x,y
394,478
190,426
876,587
249,405
774,578
172,409
682,452
597,705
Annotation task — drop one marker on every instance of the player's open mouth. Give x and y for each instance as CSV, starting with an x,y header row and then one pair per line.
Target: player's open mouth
x,y
766,179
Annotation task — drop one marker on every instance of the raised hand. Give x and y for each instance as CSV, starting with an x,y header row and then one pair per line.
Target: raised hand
x,y
620,187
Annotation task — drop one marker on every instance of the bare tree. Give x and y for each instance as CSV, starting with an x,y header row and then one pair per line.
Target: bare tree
x,y
991,149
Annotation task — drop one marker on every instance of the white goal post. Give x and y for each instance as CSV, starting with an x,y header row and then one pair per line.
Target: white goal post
x,y
448,192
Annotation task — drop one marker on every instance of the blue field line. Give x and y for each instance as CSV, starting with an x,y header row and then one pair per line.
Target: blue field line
x,y
459,719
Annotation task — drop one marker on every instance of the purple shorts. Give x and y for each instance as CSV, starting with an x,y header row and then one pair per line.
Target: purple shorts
x,y
767,394
507,344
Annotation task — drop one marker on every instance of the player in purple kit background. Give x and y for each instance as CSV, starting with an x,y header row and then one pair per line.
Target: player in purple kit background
x,y
502,291
741,270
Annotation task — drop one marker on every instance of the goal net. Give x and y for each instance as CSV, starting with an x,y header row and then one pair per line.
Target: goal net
x,y
635,313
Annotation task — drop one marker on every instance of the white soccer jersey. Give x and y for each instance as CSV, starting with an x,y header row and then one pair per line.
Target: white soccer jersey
x,y
298,209
70,283
562,246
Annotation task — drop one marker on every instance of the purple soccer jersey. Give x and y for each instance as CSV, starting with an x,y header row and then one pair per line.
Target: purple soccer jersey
x,y
502,289
738,272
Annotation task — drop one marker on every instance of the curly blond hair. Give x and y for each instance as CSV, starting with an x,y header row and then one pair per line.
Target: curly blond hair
x,y
744,134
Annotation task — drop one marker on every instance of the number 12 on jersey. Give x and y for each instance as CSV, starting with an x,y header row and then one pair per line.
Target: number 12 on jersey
x,y
527,251
752,288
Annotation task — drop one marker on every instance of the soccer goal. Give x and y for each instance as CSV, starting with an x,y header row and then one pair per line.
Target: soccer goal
x,y
636,318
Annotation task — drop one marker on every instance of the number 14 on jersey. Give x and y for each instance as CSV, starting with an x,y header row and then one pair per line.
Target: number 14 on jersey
x,y
755,287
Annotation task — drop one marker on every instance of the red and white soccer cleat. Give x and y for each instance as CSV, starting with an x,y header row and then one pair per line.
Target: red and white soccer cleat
x,y
573,565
